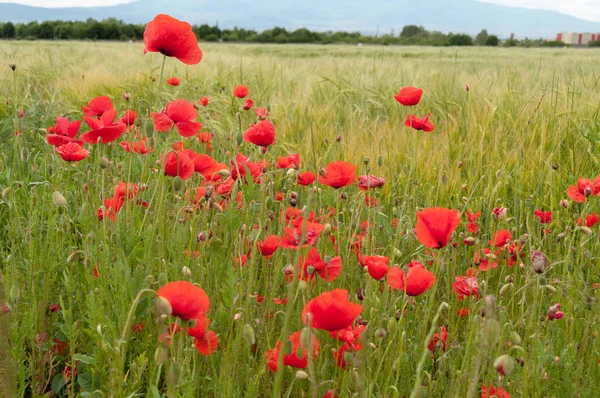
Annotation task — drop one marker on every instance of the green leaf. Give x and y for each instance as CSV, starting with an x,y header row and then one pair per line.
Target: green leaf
x,y
58,382
88,360
85,381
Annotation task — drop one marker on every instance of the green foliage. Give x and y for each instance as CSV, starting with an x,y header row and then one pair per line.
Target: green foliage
x,y
492,41
481,37
553,43
460,40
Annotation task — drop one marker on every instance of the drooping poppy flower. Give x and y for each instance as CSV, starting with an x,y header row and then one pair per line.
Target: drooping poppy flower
x,y
172,38
261,134
288,162
436,225
268,246
298,356
462,312
182,115
554,312
187,301
261,113
494,392
466,285
173,81
97,106
136,146
421,124
338,174
240,91
104,129
545,217
72,152
306,178
178,164
248,104
331,311
441,337
368,182
501,238
203,101
63,132
292,237
416,282
409,96
376,265
128,118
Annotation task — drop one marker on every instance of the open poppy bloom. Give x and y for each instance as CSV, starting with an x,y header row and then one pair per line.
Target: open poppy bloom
x,y
206,166
376,265
554,312
466,285
409,96
545,217
172,38
327,270
583,189
104,129
249,104
186,301
441,337
590,220
242,165
261,134
497,392
206,138
205,341
181,114
298,357
472,218
436,225
367,182
203,101
416,282
268,246
501,238
173,81
338,174
421,124
97,106
72,152
240,91
288,162
331,311
292,237
178,164
128,118
261,113
64,132
306,178
136,146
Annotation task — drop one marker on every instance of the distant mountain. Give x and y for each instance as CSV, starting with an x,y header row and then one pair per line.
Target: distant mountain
x,y
468,16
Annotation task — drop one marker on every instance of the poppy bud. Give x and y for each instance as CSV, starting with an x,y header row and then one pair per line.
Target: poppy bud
x,y
360,293
467,87
5,193
498,173
505,289
470,241
322,172
237,316
300,374
585,230
344,196
504,365
137,122
515,338
58,199
539,261
550,288
291,172
338,138
564,204
310,270
224,173
293,202
248,334
380,333
302,285
21,113
463,187
174,373
177,184
560,236
126,96
12,66
186,271
491,332
104,163
305,338
379,160
327,229
163,307
24,154
366,161
239,138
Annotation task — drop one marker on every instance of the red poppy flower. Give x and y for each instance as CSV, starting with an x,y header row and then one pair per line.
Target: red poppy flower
x,y
416,282
466,285
472,225
501,238
261,113
462,312
590,220
128,190
128,117
420,123
72,152
261,133
203,101
240,91
97,106
297,357
248,104
187,301
180,113
268,246
554,312
207,343
331,394
350,334
173,38
545,217
583,189
331,311
485,260
376,265
103,129
207,166
409,96
173,81
63,132
241,165
436,225
178,164
289,161
496,392
338,174
136,146
442,337
306,178
206,138
327,270
292,237
367,182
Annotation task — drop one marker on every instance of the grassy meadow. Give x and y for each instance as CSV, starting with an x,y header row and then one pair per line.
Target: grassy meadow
x,y
527,127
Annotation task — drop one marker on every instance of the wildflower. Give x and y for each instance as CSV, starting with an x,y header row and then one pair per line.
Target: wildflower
x,y
64,132
292,237
328,269
554,312
499,213
331,311
185,300
248,104
493,392
135,146
589,222
181,114
297,356
54,307
472,226
173,81
97,107
583,189
338,174
261,113
268,246
72,152
436,225
306,178
466,285
261,134
288,162
178,164
416,282
203,101
240,91
377,266
128,118
419,123
545,217
409,96
442,337
104,129
367,182
172,38
501,238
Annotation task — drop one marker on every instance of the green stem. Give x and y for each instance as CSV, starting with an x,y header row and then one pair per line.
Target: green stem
x,y
162,70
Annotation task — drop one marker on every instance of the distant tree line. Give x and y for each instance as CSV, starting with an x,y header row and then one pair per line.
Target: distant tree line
x,y
114,29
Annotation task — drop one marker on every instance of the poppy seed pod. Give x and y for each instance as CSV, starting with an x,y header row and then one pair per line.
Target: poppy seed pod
x,y
177,183
539,261
163,307
58,199
505,289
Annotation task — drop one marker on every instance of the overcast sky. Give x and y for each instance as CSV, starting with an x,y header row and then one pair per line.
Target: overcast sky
x,y
587,9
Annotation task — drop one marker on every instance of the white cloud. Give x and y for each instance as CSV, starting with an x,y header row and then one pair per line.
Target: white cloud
x,y
67,3
586,9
